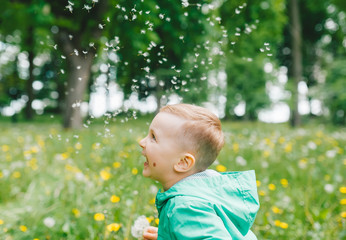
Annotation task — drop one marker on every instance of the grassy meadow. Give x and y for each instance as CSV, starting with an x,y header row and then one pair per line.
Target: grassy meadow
x,y
87,184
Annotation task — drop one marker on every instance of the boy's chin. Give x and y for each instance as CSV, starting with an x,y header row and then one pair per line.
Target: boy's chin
x,y
145,173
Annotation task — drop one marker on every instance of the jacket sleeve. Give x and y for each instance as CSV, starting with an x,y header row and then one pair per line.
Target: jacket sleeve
x,y
192,221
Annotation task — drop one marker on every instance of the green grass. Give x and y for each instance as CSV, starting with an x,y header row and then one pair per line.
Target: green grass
x,y
47,173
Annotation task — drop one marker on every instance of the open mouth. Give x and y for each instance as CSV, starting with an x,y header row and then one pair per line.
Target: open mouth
x,y
146,163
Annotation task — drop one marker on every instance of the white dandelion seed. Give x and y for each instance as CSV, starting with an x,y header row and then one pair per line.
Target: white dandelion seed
x,y
140,224
329,188
69,7
240,161
86,7
49,222
185,3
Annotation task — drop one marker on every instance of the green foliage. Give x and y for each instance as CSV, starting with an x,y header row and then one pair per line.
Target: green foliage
x,y
335,91
71,176
254,32
157,46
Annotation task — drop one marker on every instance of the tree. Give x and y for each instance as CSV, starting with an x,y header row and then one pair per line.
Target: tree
x,y
75,37
306,56
27,20
162,48
254,31
297,67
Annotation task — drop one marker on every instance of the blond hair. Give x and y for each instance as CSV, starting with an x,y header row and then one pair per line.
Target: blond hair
x,y
201,134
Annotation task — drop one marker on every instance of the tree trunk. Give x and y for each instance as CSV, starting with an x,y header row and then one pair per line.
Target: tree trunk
x,y
297,66
28,86
79,68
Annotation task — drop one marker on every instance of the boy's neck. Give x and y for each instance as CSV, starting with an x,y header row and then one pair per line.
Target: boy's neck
x,y
178,177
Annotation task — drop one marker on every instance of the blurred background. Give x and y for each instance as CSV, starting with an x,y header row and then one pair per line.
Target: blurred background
x,y
273,61
81,80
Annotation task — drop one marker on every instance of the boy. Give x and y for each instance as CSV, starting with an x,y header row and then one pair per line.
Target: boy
x,y
183,141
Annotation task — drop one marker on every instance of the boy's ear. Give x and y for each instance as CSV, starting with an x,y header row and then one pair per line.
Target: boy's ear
x,y
186,163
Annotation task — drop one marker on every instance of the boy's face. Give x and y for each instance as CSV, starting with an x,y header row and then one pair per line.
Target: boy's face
x,y
161,147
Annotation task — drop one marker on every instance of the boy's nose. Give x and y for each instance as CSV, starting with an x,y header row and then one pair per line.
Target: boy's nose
x,y
142,142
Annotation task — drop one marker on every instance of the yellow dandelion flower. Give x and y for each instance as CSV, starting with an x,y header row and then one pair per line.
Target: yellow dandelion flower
x,y
99,217
318,142
78,146
340,150
267,141
117,164
343,214
344,161
276,210
157,221
105,175
1,175
5,148
342,189
96,146
284,182
36,239
27,153
319,134
343,201
262,193
123,154
1,222
258,183
150,219
16,174
134,171
40,143
288,148
76,212
34,149
277,223
113,227
115,199
23,228
221,168
282,140
71,168
303,163
152,201
20,139
283,225
236,147
266,154
271,187
64,155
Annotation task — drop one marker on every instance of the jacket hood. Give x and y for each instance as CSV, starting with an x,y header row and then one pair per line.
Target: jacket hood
x,y
236,192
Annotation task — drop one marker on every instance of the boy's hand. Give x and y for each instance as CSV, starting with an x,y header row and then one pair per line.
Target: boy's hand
x,y
150,233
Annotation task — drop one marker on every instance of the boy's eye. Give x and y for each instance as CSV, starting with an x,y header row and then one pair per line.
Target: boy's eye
x,y
153,137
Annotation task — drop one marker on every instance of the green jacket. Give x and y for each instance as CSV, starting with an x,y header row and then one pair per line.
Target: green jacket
x,y
217,207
